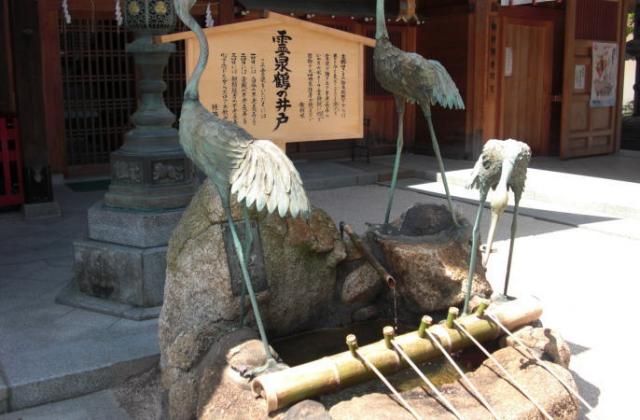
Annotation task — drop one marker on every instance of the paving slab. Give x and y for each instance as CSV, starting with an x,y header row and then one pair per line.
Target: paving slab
x,y
603,184
97,406
50,352
563,213
4,394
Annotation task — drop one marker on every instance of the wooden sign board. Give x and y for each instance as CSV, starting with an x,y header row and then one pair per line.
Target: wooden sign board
x,y
283,79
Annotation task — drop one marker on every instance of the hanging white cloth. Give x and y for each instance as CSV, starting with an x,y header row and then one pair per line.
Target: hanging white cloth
x,y
208,17
65,12
119,18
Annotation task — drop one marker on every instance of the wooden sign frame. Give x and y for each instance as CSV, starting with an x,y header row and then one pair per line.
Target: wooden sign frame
x,y
322,98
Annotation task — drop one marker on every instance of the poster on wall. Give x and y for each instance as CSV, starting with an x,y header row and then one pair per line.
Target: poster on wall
x,y
579,77
604,74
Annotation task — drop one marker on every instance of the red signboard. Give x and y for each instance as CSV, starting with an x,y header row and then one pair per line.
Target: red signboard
x,y
11,185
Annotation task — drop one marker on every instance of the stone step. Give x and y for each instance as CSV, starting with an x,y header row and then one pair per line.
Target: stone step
x,y
100,405
91,352
4,395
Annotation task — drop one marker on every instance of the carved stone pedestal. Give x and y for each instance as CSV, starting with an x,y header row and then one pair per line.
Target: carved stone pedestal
x,y
120,268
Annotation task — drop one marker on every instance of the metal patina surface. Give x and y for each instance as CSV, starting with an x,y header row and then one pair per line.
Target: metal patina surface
x,y
255,260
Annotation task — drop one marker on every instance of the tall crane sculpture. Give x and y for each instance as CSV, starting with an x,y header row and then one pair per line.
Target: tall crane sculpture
x,y
412,78
502,165
256,171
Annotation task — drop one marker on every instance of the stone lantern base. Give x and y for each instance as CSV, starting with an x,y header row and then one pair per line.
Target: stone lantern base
x,y
119,268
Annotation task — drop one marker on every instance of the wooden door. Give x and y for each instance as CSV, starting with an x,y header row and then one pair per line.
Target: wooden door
x,y
525,82
588,130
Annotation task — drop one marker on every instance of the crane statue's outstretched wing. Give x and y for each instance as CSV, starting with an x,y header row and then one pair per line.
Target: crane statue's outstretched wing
x,y
268,178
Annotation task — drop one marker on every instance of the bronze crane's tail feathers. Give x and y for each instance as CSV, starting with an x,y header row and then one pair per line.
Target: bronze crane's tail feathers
x,y
267,178
445,92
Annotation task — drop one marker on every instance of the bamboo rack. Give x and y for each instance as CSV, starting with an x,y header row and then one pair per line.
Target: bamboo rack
x,y
342,370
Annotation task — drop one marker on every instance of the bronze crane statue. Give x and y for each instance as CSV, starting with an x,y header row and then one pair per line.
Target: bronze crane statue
x,y
412,78
257,172
502,165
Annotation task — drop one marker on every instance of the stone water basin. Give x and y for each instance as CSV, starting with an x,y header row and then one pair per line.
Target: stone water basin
x,y
308,346
372,400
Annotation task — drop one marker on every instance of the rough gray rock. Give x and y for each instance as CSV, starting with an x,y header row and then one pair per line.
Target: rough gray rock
x,y
307,410
139,395
200,305
221,392
224,394
545,343
361,285
365,314
429,258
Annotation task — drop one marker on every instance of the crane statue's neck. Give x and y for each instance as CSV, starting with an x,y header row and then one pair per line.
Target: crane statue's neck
x,y
381,25
191,91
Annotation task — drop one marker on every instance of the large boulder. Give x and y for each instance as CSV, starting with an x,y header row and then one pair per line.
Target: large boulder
x,y
293,265
429,258
545,343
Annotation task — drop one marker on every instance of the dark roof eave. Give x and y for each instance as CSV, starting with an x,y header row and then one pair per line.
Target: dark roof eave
x,y
355,8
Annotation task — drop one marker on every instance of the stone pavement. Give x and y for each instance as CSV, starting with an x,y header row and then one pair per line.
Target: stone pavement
x,y
48,351
586,278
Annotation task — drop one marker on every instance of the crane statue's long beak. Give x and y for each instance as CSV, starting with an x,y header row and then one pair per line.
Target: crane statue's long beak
x,y
498,205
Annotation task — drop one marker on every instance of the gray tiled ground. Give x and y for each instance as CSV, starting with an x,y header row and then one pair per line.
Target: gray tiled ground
x,y
583,268
50,351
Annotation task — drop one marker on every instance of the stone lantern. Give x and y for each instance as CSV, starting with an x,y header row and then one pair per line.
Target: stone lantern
x,y
150,171
120,267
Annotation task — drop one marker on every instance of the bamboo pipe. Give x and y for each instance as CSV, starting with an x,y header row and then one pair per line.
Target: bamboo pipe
x,y
342,370
382,272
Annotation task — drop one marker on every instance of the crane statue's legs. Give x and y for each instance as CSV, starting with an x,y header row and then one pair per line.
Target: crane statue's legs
x,y
495,217
474,250
426,109
514,227
400,104
271,363
248,244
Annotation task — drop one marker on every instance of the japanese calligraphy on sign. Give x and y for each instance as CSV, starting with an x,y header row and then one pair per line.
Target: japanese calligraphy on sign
x,y
283,79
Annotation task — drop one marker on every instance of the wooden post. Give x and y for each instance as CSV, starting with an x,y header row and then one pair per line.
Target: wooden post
x,y
226,12
478,77
7,93
25,30
49,15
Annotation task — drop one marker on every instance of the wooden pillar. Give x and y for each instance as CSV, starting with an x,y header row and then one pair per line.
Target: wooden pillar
x,y
226,11
7,94
27,49
478,119
48,15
